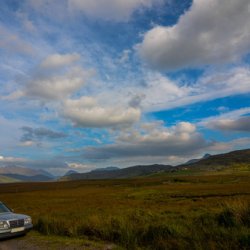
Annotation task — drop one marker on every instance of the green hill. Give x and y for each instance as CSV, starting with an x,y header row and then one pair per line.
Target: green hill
x,y
233,161
239,159
7,179
130,172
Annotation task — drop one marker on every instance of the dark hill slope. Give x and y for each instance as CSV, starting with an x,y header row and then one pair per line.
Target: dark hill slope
x,y
24,178
208,163
18,170
129,172
220,161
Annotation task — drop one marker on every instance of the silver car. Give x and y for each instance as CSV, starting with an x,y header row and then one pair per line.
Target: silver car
x,y
12,224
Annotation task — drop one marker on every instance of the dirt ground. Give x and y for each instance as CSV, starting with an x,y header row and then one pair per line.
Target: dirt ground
x,y
16,244
34,242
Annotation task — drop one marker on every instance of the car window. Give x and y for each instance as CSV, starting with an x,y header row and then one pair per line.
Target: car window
x,y
3,208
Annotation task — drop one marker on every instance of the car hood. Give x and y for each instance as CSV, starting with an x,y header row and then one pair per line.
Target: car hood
x,y
12,216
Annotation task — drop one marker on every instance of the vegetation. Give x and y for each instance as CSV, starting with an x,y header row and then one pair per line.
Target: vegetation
x,y
220,162
35,240
179,211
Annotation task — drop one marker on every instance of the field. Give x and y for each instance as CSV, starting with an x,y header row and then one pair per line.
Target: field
x,y
179,211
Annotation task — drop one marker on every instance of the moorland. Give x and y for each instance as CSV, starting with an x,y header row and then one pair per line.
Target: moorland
x,y
186,209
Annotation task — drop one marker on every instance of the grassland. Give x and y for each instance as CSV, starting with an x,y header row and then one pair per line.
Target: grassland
x,y
177,211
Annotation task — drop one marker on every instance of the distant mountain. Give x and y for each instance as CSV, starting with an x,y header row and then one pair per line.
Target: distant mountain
x,y
205,156
70,172
35,178
196,160
206,163
13,169
105,169
15,173
6,179
215,162
135,171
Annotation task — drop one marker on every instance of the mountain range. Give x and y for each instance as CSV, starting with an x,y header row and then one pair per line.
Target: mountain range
x,y
13,173
206,163
117,173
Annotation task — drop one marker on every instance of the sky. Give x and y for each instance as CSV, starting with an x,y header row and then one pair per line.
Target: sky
x,y
86,84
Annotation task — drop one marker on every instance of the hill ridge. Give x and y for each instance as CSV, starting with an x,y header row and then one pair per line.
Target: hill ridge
x,y
209,162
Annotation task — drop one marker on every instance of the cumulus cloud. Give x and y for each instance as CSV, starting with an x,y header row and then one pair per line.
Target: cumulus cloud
x,y
55,78
152,140
233,115
222,147
58,60
80,166
87,112
116,10
241,124
54,87
12,160
215,31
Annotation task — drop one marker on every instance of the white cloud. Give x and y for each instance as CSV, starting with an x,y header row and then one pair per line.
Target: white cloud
x,y
241,124
212,85
87,112
27,144
13,96
158,92
125,56
56,86
154,92
28,25
14,44
230,115
55,78
14,160
10,132
81,166
158,141
116,10
214,31
59,60
222,147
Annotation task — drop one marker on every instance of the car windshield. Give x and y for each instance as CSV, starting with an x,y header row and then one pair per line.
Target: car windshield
x,y
3,208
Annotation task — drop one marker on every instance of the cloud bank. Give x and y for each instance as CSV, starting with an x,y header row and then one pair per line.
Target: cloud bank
x,y
152,140
211,32
241,124
86,112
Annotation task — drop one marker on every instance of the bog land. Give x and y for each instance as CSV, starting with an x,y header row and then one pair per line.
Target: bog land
x,y
203,210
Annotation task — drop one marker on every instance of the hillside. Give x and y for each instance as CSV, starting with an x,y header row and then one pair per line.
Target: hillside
x,y
19,174
13,169
18,177
7,179
70,172
220,161
239,158
129,172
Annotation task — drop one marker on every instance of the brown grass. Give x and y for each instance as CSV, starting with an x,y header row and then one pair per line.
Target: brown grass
x,y
170,212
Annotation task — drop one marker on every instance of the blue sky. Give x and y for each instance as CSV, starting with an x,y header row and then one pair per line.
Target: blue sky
x,y
88,83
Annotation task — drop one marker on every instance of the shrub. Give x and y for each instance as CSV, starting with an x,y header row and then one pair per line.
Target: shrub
x,y
235,212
